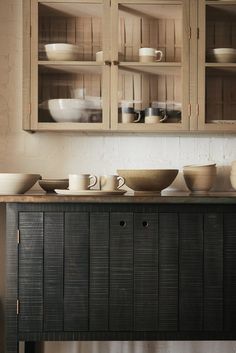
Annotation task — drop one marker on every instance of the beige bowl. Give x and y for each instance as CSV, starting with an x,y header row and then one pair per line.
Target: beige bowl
x,y
17,183
199,168
49,185
199,183
62,52
148,180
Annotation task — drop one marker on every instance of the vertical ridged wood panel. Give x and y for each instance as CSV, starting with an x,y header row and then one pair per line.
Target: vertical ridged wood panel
x,y
230,272
53,271
168,272
213,272
31,271
99,272
191,272
76,271
121,271
145,272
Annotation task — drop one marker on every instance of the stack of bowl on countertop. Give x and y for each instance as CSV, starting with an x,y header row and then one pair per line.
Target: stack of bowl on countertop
x,y
199,178
233,174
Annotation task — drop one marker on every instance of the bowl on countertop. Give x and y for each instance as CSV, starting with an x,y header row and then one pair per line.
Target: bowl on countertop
x,y
49,185
17,183
200,178
62,52
148,181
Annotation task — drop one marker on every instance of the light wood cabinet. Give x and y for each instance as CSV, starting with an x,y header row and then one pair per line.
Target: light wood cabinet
x,y
90,93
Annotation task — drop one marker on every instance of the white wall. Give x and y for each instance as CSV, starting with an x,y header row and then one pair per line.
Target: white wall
x,y
56,155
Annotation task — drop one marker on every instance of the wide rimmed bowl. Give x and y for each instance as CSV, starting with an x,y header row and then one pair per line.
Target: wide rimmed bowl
x,y
17,183
151,181
49,185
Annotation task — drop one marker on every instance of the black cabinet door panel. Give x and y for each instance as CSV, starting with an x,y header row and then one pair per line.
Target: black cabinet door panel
x,y
168,272
145,272
213,272
31,271
53,271
121,271
76,271
99,272
191,272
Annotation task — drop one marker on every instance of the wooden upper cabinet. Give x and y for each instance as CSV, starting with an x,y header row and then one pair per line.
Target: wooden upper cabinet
x,y
217,65
104,84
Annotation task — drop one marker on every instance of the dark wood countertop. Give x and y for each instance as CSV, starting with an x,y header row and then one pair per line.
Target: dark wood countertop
x,y
165,198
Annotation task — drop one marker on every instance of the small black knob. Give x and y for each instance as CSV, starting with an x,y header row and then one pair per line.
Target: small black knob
x,y
145,224
115,62
107,62
123,224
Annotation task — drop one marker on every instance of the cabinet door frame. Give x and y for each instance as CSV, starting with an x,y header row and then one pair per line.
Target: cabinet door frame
x,y
184,67
202,67
32,64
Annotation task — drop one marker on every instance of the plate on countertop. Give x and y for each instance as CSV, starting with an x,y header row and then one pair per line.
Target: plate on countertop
x,y
90,192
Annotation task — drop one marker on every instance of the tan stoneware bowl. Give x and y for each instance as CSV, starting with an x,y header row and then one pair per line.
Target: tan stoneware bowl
x,y
17,183
201,169
151,181
199,183
49,185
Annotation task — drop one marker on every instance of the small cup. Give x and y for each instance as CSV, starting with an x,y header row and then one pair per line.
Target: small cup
x,y
152,116
81,181
111,182
150,55
129,115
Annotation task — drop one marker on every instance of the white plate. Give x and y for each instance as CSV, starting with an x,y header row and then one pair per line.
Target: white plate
x,y
90,192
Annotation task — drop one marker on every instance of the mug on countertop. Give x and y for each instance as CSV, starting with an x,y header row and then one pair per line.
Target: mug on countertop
x,y
111,182
81,181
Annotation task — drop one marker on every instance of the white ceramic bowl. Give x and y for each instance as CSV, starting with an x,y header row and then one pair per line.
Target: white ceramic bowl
x,y
17,183
222,55
62,52
72,109
150,181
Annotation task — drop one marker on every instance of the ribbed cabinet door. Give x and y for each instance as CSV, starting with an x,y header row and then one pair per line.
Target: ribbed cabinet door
x,y
191,272
121,272
99,272
31,271
76,265
145,272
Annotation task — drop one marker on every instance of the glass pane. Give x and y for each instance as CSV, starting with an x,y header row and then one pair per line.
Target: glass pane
x,y
78,26
221,95
157,27
70,94
159,89
221,33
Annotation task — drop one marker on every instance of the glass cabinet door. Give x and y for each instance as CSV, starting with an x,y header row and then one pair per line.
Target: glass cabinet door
x,y
69,81
150,65
217,65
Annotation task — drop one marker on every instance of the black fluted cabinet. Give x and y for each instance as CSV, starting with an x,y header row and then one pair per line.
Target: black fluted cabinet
x,y
120,272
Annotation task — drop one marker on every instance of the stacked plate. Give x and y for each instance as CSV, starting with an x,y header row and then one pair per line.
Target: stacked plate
x,y
233,174
222,55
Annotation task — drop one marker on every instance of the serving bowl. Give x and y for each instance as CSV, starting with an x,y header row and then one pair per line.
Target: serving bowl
x,y
151,181
222,55
72,109
199,178
17,183
62,52
49,185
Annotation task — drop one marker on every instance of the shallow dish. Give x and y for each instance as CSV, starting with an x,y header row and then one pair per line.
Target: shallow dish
x,y
151,180
17,183
91,192
49,185
62,52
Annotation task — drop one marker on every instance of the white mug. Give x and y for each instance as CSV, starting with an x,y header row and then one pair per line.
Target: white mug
x,y
111,182
150,55
81,181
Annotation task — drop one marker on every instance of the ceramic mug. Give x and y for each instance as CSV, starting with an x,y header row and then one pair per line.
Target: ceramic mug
x,y
81,181
129,115
150,55
111,182
152,116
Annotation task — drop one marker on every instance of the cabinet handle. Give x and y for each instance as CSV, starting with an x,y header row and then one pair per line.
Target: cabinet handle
x,y
107,62
115,62
123,224
145,224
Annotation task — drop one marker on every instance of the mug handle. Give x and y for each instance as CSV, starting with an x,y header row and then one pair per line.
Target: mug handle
x,y
163,119
138,119
161,54
94,182
122,182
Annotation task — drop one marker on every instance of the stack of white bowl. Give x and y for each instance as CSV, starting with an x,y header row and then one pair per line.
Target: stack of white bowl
x,y
233,174
62,51
199,178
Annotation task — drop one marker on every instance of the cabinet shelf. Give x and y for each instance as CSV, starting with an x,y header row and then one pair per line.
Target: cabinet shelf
x,y
152,68
71,66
